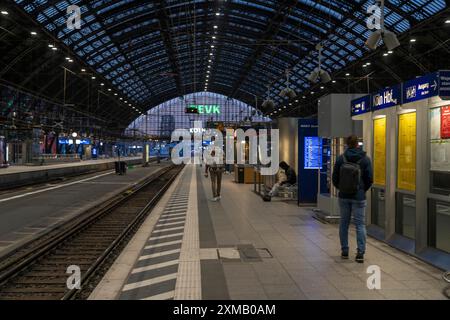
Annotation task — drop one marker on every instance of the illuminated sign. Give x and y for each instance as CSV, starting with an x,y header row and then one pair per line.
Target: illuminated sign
x,y
421,88
444,84
386,98
84,141
361,105
204,109
313,153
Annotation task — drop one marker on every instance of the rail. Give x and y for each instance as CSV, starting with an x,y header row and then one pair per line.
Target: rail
x,y
59,243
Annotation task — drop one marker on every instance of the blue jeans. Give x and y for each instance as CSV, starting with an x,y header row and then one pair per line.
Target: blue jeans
x,y
349,208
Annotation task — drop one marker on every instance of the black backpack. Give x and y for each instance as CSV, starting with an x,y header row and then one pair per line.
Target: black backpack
x,y
350,176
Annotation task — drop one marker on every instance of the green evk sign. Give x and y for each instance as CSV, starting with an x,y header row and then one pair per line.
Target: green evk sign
x,y
206,108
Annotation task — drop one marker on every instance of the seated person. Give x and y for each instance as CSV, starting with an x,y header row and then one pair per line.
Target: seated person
x,y
291,179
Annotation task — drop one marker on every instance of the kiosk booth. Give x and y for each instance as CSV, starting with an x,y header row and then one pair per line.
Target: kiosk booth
x,y
407,134
335,124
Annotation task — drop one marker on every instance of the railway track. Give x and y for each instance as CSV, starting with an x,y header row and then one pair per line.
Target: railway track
x,y
90,243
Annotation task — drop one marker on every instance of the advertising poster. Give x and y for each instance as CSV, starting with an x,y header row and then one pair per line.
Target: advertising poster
x,y
406,174
379,151
445,122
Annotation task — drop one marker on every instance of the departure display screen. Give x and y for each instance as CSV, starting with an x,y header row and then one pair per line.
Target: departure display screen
x,y
313,153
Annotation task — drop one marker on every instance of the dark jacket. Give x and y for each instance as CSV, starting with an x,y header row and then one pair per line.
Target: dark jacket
x,y
354,155
291,176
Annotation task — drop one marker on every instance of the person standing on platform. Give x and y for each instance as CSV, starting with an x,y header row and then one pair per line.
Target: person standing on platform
x,y
353,177
215,170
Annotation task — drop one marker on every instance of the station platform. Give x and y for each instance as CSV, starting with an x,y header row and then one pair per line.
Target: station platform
x,y
21,175
28,213
242,248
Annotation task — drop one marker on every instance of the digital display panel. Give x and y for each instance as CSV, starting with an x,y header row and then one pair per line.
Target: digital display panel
x,y
313,153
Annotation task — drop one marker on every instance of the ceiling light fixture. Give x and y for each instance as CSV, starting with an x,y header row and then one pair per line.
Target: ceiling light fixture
x,y
4,12
83,70
389,38
268,103
54,48
412,40
33,33
319,72
287,92
347,74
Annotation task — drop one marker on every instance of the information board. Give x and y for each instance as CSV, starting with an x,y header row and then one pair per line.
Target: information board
x,y
313,153
406,171
421,88
379,151
387,98
307,157
444,84
361,105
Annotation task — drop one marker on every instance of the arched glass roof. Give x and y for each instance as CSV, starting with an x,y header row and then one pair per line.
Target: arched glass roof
x,y
163,119
153,51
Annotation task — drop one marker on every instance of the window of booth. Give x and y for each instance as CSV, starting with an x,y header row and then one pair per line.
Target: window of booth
x,y
379,168
406,163
439,225
406,176
440,150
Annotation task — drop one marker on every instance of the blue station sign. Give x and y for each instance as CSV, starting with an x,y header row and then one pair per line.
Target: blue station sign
x,y
387,98
361,105
421,88
444,84
428,86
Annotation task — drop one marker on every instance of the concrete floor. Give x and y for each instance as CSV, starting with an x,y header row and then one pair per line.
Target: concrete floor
x,y
244,248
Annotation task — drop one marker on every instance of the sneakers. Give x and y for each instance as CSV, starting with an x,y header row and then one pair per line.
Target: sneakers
x,y
359,257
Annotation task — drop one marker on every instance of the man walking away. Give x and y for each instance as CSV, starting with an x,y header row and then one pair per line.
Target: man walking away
x,y
353,177
215,171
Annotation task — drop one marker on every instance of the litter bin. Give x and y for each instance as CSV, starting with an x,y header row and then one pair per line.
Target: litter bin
x,y
121,167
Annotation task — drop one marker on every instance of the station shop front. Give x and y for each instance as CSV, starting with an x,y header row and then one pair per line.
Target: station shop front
x,y
407,135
